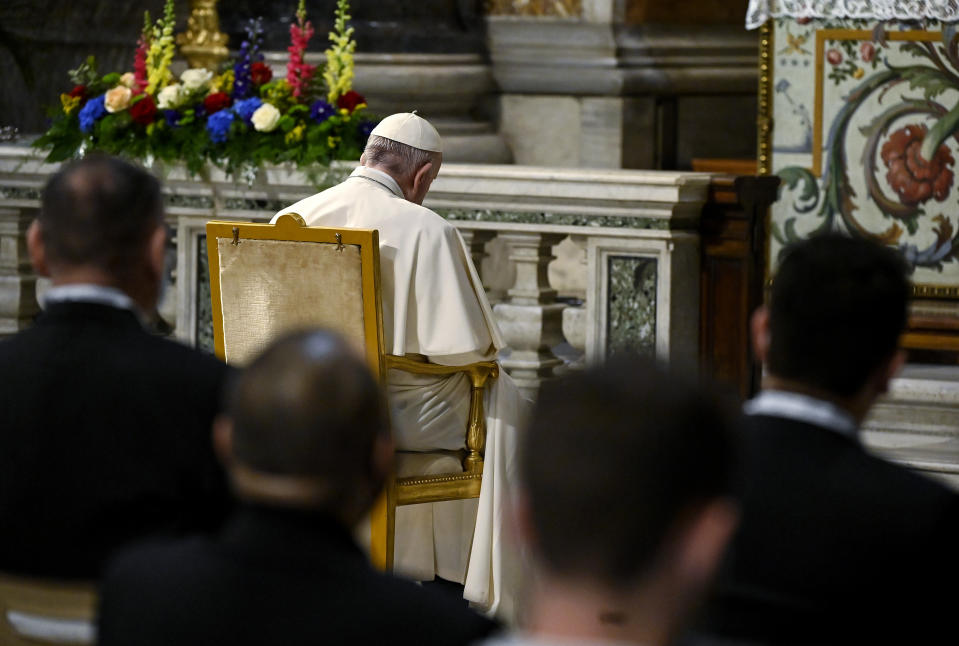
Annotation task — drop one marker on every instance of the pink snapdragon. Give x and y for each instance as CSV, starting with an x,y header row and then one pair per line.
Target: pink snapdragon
x,y
140,66
298,72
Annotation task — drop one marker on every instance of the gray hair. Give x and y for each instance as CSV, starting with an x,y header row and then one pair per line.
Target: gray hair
x,y
398,159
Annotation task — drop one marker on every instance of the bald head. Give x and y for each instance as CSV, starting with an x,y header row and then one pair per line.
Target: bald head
x,y
308,411
99,212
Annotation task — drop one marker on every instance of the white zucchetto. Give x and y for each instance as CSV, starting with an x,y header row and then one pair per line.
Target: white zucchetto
x,y
410,129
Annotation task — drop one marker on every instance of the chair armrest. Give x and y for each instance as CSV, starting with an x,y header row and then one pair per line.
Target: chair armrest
x,y
479,373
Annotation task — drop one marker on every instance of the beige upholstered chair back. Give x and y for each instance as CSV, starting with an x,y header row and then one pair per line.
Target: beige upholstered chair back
x,y
36,612
267,280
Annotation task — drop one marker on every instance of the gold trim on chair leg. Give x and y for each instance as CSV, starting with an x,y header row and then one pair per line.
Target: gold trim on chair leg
x,y
476,435
381,537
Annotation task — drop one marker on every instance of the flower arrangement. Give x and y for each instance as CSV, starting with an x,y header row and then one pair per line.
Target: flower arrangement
x,y
236,119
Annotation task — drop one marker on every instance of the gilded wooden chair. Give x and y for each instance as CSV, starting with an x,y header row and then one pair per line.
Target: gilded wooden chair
x,y
267,279
34,611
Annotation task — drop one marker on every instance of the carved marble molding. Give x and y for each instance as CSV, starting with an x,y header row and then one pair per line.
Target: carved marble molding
x,y
623,202
568,57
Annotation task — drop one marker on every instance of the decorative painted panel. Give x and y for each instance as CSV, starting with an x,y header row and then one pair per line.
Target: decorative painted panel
x,y
865,138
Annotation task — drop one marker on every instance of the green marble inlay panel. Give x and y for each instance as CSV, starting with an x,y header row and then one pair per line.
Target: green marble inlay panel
x,y
19,193
631,305
565,219
204,307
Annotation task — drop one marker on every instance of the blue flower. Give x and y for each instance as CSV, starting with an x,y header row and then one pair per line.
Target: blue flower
x,y
218,125
246,107
172,117
366,127
199,110
320,111
91,113
241,72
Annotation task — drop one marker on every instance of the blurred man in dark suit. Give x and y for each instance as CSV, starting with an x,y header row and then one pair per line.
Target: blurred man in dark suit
x,y
627,504
836,545
104,428
307,444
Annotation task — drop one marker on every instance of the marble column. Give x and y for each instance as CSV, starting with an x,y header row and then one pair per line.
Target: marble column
x,y
18,301
476,240
575,316
531,320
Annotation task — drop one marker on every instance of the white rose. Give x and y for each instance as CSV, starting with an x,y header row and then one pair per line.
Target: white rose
x,y
170,96
265,118
117,99
196,78
128,80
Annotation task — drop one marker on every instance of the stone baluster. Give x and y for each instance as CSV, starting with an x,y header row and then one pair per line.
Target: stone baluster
x,y
18,300
531,320
574,316
476,240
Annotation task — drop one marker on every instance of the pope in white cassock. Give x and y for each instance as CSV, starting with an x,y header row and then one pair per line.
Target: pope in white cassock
x,y
435,309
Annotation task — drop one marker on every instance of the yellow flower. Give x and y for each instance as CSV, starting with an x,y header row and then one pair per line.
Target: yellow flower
x,y
859,73
222,83
69,103
344,112
295,135
332,141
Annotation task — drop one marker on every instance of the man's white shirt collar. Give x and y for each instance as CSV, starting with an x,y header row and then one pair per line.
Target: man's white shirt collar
x,y
802,408
88,293
379,177
526,639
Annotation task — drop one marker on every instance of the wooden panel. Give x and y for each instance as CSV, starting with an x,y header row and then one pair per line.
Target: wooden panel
x,y
732,274
729,12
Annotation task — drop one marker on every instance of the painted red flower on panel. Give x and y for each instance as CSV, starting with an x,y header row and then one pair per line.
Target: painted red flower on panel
x,y
915,179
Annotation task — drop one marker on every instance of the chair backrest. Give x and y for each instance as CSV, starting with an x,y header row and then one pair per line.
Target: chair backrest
x,y
268,279
46,612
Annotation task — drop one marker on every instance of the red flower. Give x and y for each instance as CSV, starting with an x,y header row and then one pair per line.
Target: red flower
x,y
79,90
913,178
216,102
144,111
867,51
260,73
350,100
834,56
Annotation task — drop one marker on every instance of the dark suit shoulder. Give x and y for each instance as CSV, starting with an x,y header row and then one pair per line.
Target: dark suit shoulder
x,y
200,591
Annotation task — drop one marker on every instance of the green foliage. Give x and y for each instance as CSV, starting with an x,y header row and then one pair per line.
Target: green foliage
x,y
85,73
930,80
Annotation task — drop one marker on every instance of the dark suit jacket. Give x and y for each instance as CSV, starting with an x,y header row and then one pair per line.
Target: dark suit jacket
x,y
272,577
104,437
835,545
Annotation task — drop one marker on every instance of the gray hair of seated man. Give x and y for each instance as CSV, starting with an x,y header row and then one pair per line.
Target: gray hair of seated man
x,y
400,160
308,410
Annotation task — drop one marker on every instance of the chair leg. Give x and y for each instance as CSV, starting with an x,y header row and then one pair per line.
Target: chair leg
x,y
380,539
383,528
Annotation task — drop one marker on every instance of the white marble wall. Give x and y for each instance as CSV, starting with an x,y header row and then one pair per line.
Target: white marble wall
x,y
917,422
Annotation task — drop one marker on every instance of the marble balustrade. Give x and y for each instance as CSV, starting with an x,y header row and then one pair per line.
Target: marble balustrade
x,y
628,276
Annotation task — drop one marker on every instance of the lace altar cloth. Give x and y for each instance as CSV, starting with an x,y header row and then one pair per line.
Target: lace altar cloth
x,y
762,10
